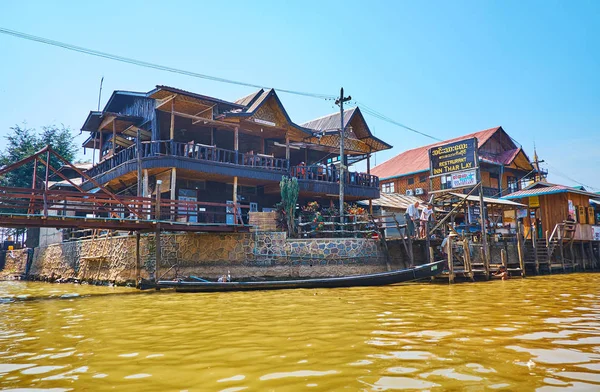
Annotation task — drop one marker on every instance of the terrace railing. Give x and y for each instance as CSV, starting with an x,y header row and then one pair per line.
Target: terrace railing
x,y
330,174
192,151
215,154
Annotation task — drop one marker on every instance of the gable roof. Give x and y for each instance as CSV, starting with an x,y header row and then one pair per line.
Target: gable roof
x,y
545,188
417,160
362,132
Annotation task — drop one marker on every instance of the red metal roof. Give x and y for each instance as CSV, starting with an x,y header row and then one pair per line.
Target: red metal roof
x,y
417,159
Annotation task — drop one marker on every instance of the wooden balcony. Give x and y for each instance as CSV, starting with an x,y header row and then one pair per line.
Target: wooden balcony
x,y
199,152
211,159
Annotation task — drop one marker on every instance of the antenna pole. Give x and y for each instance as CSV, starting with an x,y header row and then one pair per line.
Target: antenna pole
x,y
100,92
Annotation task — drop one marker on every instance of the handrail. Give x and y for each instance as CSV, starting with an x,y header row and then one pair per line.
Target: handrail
x,y
557,230
331,174
194,151
66,204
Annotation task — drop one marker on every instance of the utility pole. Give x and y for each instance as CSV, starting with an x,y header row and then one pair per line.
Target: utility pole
x,y
340,101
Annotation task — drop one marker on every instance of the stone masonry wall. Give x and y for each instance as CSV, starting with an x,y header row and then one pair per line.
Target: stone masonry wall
x,y
15,263
245,255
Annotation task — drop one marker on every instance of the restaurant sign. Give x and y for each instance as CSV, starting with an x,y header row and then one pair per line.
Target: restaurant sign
x,y
453,157
464,179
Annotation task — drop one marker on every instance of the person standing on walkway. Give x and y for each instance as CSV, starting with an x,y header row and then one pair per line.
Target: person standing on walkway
x,y
411,216
426,215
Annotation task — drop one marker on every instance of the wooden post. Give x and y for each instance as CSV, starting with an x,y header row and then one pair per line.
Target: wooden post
x,y
431,254
562,250
467,258
101,149
485,266
520,248
157,233
173,193
287,150
235,202
503,257
212,136
535,252
450,260
114,138
145,193
411,255
236,142
583,256
138,147
172,128
138,258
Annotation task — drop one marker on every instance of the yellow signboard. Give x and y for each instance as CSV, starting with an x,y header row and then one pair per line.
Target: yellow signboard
x,y
534,201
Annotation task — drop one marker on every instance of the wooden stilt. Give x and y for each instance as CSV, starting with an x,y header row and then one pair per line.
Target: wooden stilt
x,y
467,259
138,258
450,260
583,264
503,258
157,234
520,248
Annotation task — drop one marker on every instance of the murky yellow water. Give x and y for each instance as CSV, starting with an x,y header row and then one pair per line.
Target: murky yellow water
x,y
534,334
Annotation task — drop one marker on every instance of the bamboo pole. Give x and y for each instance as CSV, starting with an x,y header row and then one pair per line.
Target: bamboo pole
x,y
450,260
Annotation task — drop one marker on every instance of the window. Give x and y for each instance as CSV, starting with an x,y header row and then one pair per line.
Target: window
x,y
388,187
513,184
423,178
411,181
446,182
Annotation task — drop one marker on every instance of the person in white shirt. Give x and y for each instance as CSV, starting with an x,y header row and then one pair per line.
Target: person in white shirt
x,y
426,214
412,217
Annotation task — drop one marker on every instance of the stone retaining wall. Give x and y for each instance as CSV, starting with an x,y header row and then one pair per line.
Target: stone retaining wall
x,y
209,255
14,263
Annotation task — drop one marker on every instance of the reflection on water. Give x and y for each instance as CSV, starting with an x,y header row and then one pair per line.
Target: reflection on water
x,y
535,334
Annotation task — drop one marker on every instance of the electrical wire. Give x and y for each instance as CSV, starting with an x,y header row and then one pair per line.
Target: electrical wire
x,y
554,170
383,117
146,64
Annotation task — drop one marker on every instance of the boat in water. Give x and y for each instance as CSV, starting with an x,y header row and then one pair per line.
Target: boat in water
x,y
194,284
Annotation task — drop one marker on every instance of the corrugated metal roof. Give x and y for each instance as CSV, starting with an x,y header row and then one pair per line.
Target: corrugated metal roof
x,y
488,200
417,159
330,121
544,188
393,200
248,99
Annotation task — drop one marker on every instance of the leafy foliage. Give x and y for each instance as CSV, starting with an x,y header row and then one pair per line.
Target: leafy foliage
x,y
23,142
289,197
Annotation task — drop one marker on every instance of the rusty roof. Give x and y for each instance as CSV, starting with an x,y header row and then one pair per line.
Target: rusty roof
x,y
417,159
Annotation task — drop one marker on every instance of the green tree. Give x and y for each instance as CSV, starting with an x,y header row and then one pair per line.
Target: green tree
x,y
23,142
289,197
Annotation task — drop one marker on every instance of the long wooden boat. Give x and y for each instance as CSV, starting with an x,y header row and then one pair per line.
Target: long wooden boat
x,y
379,279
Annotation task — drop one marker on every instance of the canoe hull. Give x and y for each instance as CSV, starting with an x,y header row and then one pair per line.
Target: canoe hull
x,y
379,279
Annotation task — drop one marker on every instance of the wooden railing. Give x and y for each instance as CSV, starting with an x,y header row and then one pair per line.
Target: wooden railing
x,y
192,151
69,204
331,174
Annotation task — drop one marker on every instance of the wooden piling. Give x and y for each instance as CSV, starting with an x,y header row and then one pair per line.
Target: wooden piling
x,y
520,248
138,257
503,257
467,259
450,260
157,234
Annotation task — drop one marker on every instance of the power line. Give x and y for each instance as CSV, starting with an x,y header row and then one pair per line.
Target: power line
x,y
554,170
383,117
146,64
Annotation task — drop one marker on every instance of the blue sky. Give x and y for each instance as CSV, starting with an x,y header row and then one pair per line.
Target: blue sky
x,y
444,68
